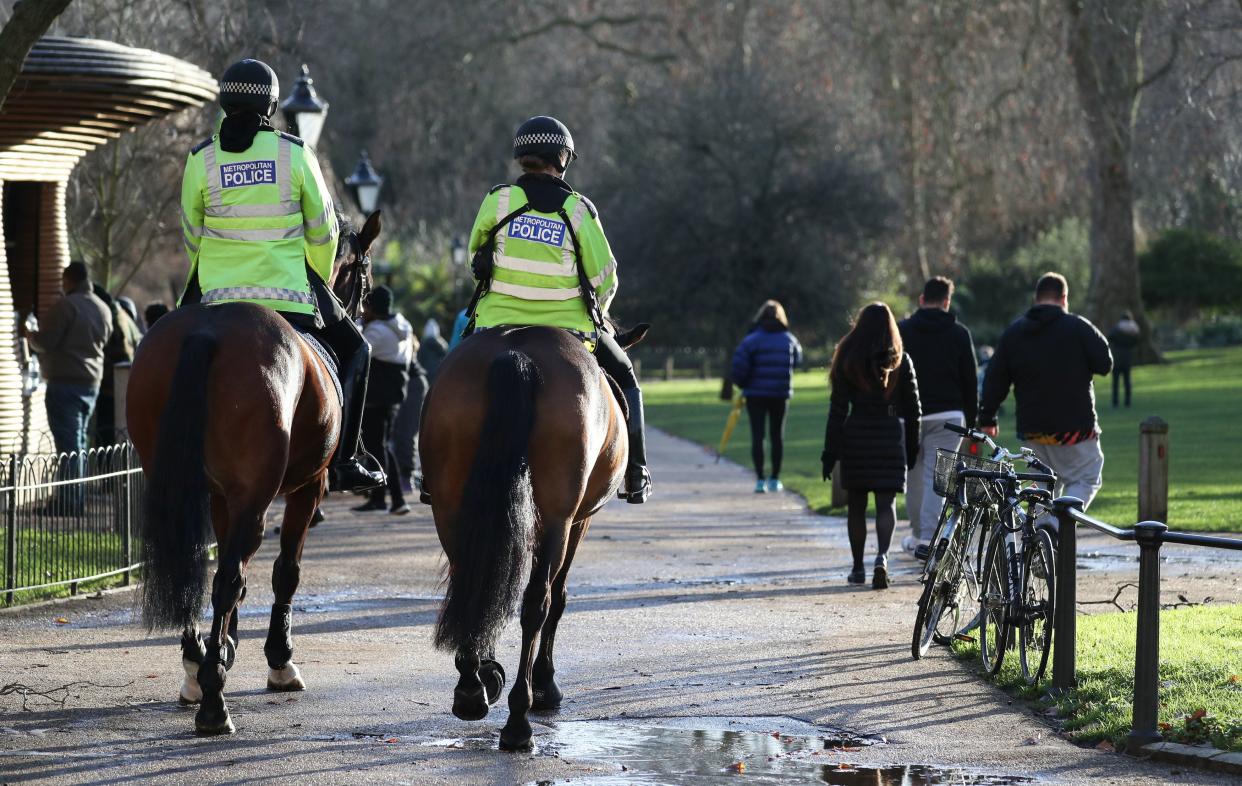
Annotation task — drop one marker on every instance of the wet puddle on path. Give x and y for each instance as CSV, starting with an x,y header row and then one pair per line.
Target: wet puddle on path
x,y
765,751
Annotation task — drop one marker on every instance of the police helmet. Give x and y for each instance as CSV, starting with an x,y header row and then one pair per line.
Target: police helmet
x,y
545,137
249,86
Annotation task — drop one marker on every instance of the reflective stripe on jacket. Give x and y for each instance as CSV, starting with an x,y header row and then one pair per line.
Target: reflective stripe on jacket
x,y
535,276
252,221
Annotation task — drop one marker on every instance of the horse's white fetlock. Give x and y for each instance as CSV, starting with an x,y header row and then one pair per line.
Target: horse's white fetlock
x,y
191,693
286,678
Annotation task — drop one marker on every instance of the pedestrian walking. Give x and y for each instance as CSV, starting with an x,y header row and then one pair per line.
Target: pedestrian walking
x,y
944,363
392,347
1049,357
432,349
120,348
70,343
873,430
763,367
405,432
1123,339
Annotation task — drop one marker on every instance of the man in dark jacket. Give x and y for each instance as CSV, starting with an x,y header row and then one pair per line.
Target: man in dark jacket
x,y
1049,357
944,362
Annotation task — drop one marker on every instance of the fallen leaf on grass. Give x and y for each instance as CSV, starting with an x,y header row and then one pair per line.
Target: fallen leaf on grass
x,y
737,766
391,740
61,620
1106,746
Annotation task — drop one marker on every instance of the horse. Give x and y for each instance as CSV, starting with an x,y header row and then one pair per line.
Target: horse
x,y
228,408
523,441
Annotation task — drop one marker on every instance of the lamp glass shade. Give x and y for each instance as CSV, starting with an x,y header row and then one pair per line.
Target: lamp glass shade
x,y
368,197
310,126
459,251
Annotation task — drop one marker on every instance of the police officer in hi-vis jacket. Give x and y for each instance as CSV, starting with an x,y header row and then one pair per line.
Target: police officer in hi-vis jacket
x,y
549,257
260,227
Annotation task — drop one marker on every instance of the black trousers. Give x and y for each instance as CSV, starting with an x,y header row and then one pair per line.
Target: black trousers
x,y
377,430
612,359
770,412
1120,375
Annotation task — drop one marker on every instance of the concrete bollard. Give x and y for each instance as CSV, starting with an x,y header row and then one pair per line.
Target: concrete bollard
x,y
707,368
1065,605
668,368
1145,727
1153,481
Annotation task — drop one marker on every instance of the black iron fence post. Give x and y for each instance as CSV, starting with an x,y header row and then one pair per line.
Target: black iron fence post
x,y
10,533
127,517
1065,612
1147,640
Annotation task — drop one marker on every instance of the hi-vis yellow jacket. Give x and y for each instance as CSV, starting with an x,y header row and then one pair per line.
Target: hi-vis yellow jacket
x,y
535,275
252,222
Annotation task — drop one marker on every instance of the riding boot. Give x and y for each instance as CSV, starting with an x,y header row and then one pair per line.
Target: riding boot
x,y
354,355
637,478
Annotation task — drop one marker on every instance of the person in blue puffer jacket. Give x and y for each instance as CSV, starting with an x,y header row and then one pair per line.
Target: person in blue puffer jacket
x,y
763,367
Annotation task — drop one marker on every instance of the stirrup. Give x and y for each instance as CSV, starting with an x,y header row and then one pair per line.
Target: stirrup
x,y
639,495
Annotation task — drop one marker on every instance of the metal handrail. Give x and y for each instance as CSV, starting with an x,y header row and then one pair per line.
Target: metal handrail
x,y
1150,536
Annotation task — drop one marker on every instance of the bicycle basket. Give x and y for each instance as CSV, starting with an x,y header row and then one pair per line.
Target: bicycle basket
x,y
945,482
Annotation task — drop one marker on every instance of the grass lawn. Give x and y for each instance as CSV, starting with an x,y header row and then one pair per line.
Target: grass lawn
x,y
1196,391
1200,665
44,557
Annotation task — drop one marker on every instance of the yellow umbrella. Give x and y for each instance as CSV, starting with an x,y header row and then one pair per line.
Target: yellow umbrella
x,y
730,424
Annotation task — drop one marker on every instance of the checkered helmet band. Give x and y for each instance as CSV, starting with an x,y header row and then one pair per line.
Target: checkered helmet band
x,y
560,140
249,89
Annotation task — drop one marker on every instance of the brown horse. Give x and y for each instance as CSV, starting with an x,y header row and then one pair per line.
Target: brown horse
x,y
522,442
229,408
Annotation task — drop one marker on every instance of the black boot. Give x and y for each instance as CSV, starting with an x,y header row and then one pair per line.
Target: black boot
x,y
637,478
347,470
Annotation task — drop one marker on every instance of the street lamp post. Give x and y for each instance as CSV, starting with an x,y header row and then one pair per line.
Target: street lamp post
x,y
304,110
365,183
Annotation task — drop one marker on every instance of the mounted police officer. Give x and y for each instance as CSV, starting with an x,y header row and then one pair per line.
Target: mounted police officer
x,y
541,257
260,227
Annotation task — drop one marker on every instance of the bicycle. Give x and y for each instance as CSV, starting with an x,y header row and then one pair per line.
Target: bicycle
x,y
950,578
1018,583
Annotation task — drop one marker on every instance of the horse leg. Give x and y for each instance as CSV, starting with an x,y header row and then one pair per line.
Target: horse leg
x,y
227,589
536,603
300,507
546,693
193,650
470,699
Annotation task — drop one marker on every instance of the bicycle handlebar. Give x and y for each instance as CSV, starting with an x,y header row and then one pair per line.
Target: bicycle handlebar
x,y
989,474
999,452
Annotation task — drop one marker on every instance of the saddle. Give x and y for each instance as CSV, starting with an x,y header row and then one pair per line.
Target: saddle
x,y
327,356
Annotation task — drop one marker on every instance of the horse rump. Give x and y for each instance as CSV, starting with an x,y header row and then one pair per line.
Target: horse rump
x,y
176,527
497,519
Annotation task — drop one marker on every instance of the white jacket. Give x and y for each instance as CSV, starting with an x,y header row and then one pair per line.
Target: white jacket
x,y
391,339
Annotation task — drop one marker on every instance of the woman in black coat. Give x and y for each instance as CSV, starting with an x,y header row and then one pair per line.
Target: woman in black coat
x,y
873,429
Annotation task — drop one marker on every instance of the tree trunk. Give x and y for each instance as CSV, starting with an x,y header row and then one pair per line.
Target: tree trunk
x,y
30,20
1103,46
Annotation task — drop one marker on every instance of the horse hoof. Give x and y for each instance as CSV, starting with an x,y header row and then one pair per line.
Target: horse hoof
x,y
546,698
492,675
285,679
207,725
516,741
470,706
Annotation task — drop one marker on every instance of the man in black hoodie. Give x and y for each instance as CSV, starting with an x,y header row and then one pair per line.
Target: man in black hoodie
x,y
944,363
1049,356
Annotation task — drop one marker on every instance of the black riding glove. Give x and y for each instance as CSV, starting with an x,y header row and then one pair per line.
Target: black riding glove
x,y
482,263
827,460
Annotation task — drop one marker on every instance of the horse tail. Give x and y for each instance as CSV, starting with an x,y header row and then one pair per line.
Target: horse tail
x,y
177,525
497,519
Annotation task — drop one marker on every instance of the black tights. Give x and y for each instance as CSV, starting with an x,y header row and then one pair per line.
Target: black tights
x,y
771,410
885,521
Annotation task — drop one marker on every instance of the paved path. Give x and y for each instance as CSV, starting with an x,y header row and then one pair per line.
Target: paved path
x,y
709,602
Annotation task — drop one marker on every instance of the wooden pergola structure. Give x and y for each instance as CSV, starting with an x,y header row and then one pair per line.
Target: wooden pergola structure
x,y
73,95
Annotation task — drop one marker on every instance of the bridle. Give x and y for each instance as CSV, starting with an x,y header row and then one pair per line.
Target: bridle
x,y
354,277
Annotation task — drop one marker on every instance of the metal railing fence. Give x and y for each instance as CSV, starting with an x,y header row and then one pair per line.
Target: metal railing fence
x,y
68,518
1150,536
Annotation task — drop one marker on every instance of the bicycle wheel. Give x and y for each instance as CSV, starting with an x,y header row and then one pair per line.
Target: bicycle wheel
x,y
994,603
975,539
1037,606
931,601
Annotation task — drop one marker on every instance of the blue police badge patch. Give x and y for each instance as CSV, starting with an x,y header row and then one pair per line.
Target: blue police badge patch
x,y
247,173
540,230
